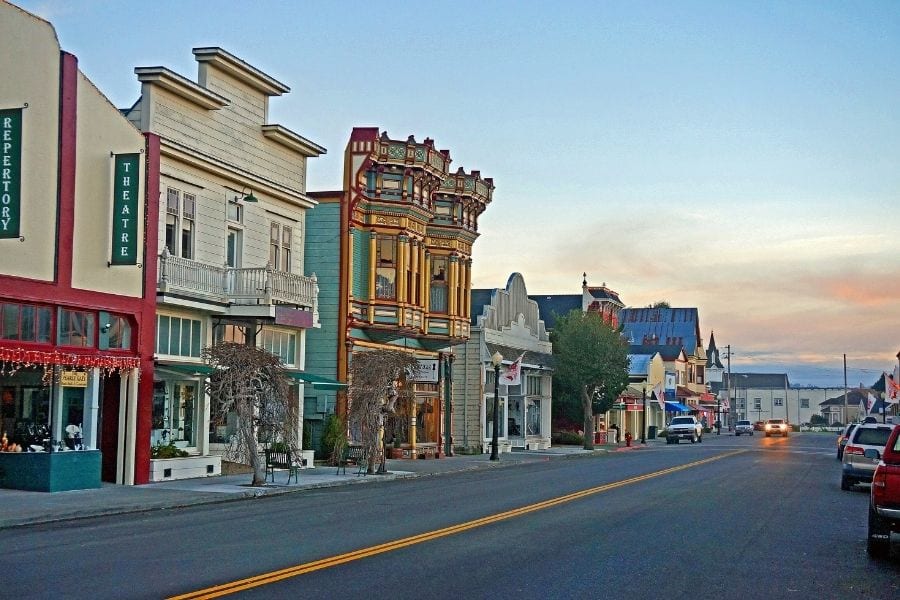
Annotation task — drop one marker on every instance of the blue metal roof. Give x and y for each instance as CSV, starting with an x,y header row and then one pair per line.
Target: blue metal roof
x,y
666,326
638,364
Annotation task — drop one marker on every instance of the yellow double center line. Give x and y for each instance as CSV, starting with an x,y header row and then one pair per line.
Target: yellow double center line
x,y
332,561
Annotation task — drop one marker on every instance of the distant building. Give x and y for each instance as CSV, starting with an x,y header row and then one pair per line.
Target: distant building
x,y
598,299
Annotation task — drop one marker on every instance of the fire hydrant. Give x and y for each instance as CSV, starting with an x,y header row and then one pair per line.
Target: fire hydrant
x,y
628,439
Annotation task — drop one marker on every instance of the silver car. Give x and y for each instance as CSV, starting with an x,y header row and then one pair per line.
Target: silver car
x,y
743,427
855,466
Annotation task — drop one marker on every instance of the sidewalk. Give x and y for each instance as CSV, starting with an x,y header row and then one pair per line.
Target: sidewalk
x,y
30,508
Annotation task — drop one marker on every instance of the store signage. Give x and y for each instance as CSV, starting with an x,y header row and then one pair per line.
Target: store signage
x,y
73,378
425,372
126,187
10,172
293,317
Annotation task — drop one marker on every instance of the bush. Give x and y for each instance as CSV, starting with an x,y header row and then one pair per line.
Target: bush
x,y
566,438
169,450
333,437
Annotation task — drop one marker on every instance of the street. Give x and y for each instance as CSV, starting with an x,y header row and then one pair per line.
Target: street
x,y
731,517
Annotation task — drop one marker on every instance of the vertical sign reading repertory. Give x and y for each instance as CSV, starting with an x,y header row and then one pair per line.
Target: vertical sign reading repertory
x,y
125,209
10,172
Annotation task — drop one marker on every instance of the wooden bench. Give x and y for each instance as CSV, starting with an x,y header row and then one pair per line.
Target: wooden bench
x,y
355,455
282,459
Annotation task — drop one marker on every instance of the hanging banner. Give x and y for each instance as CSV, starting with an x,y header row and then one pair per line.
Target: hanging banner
x,y
126,187
10,172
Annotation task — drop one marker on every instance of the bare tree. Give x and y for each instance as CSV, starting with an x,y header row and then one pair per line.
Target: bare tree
x,y
251,383
376,390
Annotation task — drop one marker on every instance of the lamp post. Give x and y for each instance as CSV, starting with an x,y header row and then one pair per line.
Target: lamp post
x,y
644,414
718,404
496,359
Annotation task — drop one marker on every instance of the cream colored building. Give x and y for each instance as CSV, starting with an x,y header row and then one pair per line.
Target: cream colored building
x,y
232,225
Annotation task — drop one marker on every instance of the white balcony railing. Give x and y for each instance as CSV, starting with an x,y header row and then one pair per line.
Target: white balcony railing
x,y
259,285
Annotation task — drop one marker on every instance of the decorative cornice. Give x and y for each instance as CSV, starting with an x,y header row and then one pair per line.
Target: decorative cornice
x,y
181,87
240,70
293,141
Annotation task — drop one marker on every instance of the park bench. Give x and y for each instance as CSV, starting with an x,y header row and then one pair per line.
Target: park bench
x,y
282,459
355,455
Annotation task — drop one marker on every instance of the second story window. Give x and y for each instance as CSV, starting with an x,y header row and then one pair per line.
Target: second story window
x,y
280,243
75,328
386,267
25,323
180,215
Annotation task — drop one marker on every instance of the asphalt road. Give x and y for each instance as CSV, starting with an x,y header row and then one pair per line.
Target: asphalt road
x,y
745,517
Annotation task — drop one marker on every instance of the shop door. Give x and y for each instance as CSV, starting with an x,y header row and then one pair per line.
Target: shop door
x,y
109,427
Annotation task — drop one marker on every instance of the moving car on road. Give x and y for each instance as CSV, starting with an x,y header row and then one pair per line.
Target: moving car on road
x,y
687,428
884,498
856,467
777,427
743,427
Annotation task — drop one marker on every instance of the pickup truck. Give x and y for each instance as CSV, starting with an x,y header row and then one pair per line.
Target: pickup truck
x,y
684,428
884,497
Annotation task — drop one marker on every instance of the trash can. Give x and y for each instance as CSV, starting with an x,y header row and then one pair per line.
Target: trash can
x,y
651,432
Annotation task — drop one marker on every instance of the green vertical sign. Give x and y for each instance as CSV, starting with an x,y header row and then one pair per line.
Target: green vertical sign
x,y
10,172
125,209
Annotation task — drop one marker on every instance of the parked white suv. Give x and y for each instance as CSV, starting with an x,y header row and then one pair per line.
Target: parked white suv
x,y
743,427
687,428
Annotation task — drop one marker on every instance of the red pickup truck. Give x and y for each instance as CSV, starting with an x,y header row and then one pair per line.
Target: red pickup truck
x,y
884,505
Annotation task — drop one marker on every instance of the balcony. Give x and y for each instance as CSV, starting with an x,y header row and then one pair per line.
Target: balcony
x,y
259,286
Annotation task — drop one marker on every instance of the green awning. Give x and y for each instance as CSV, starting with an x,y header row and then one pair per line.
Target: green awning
x,y
317,381
195,369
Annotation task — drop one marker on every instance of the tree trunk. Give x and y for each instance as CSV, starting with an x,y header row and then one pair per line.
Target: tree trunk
x,y
586,406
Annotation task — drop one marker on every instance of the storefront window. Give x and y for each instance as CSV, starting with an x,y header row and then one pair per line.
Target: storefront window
x,y
533,413
489,417
175,413
280,343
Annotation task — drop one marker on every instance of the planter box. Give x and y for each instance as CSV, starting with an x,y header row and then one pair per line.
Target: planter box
x,y
50,471
189,467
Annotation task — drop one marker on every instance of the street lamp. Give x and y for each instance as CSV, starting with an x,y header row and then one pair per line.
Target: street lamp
x,y
496,359
644,414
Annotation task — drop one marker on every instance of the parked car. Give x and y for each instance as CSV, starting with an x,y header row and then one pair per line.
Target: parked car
x,y
687,428
759,426
856,467
743,427
884,497
842,439
777,427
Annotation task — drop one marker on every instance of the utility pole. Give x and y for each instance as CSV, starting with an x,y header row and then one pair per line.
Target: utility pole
x,y
728,387
845,416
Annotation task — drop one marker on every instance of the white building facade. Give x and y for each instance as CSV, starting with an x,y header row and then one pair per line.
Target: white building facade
x,y
507,322
231,232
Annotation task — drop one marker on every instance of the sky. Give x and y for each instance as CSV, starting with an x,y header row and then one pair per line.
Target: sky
x,y
738,157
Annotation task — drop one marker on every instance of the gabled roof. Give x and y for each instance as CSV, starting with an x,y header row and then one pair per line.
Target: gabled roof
x,y
712,354
604,293
854,397
551,307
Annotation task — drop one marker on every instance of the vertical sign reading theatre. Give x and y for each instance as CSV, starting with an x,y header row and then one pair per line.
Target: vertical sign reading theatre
x,y
125,210
10,171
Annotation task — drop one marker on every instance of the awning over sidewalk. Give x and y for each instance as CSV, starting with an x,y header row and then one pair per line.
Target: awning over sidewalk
x,y
677,407
179,368
319,382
